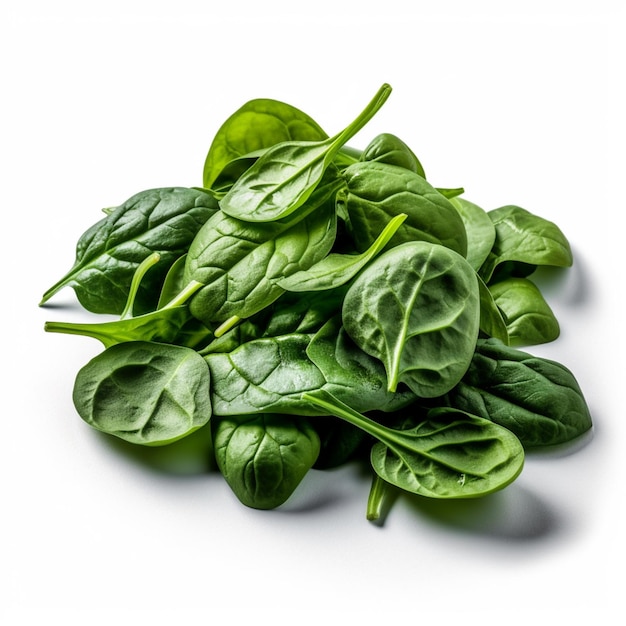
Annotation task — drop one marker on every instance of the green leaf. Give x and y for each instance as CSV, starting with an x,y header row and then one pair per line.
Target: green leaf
x,y
164,325
107,255
492,321
264,457
282,179
481,232
387,148
145,393
529,318
267,375
336,269
526,239
537,399
416,308
376,192
352,375
449,454
240,263
256,126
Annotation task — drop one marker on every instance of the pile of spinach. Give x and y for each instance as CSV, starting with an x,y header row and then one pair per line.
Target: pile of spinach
x,y
313,304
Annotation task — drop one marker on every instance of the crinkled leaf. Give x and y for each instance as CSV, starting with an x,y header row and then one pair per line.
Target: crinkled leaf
x,y
239,263
416,308
107,255
264,457
537,399
449,454
376,192
145,393
526,240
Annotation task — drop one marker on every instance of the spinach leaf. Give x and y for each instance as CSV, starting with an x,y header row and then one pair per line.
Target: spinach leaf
x,y
352,375
417,309
239,263
264,457
282,179
267,375
526,240
256,126
291,313
145,393
537,399
481,232
232,171
387,148
108,253
376,192
492,322
165,325
336,269
303,311
449,454
270,374
529,318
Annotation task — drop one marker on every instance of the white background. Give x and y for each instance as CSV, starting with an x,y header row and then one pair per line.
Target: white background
x,y
519,105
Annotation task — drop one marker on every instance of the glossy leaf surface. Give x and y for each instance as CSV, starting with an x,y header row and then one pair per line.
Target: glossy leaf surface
x,y
529,318
282,179
254,127
525,238
107,255
449,454
240,263
537,399
264,457
416,308
376,192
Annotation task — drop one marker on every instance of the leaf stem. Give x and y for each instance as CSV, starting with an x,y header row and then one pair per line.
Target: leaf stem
x,y
363,118
140,272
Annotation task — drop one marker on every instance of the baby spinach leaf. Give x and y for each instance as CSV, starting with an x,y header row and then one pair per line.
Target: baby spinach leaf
x,y
525,239
416,308
239,263
481,232
256,126
336,269
291,313
264,457
267,375
352,375
165,324
387,148
304,311
449,454
145,393
492,322
107,254
282,179
537,399
376,192
529,318
232,171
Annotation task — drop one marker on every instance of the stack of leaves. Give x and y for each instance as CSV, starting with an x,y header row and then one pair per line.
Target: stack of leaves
x,y
313,304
